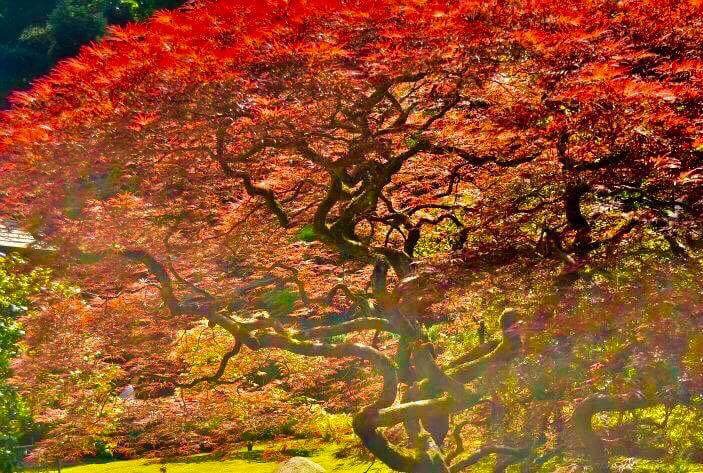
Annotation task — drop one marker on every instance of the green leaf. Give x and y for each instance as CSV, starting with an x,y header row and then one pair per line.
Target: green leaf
x,y
307,233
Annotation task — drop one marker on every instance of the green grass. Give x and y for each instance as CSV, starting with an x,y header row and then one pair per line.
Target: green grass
x,y
240,462
251,462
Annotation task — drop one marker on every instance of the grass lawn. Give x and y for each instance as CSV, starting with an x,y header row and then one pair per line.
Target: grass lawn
x,y
251,462
240,462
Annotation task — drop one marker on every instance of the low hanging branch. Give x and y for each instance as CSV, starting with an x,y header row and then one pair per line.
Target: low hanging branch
x,y
483,452
592,446
383,412
215,378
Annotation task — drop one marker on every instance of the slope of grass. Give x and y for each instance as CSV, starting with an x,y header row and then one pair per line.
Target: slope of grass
x,y
252,462
240,462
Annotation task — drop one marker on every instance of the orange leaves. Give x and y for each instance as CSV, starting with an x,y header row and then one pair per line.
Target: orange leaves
x,y
69,68
142,120
323,51
23,99
227,53
530,37
666,162
692,177
29,135
682,65
635,89
164,17
603,71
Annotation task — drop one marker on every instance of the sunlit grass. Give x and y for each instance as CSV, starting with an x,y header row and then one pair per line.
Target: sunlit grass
x,y
242,461
252,462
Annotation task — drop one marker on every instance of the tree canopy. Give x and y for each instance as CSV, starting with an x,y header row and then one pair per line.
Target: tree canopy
x,y
336,179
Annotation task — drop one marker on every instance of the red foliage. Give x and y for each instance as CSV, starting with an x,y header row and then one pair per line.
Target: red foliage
x,y
236,161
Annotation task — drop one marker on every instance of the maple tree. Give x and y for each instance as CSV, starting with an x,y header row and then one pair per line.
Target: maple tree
x,y
327,178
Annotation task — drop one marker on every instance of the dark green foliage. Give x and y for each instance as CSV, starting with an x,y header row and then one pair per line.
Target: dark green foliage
x,y
119,12
16,15
103,450
73,23
34,34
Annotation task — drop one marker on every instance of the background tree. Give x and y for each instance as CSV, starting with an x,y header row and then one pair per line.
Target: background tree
x,y
34,35
335,179
17,285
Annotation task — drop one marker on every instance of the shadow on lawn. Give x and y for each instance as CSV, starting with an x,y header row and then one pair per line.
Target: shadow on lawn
x,y
202,458
255,455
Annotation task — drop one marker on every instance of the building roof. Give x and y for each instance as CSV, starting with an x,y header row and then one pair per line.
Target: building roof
x,y
13,237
